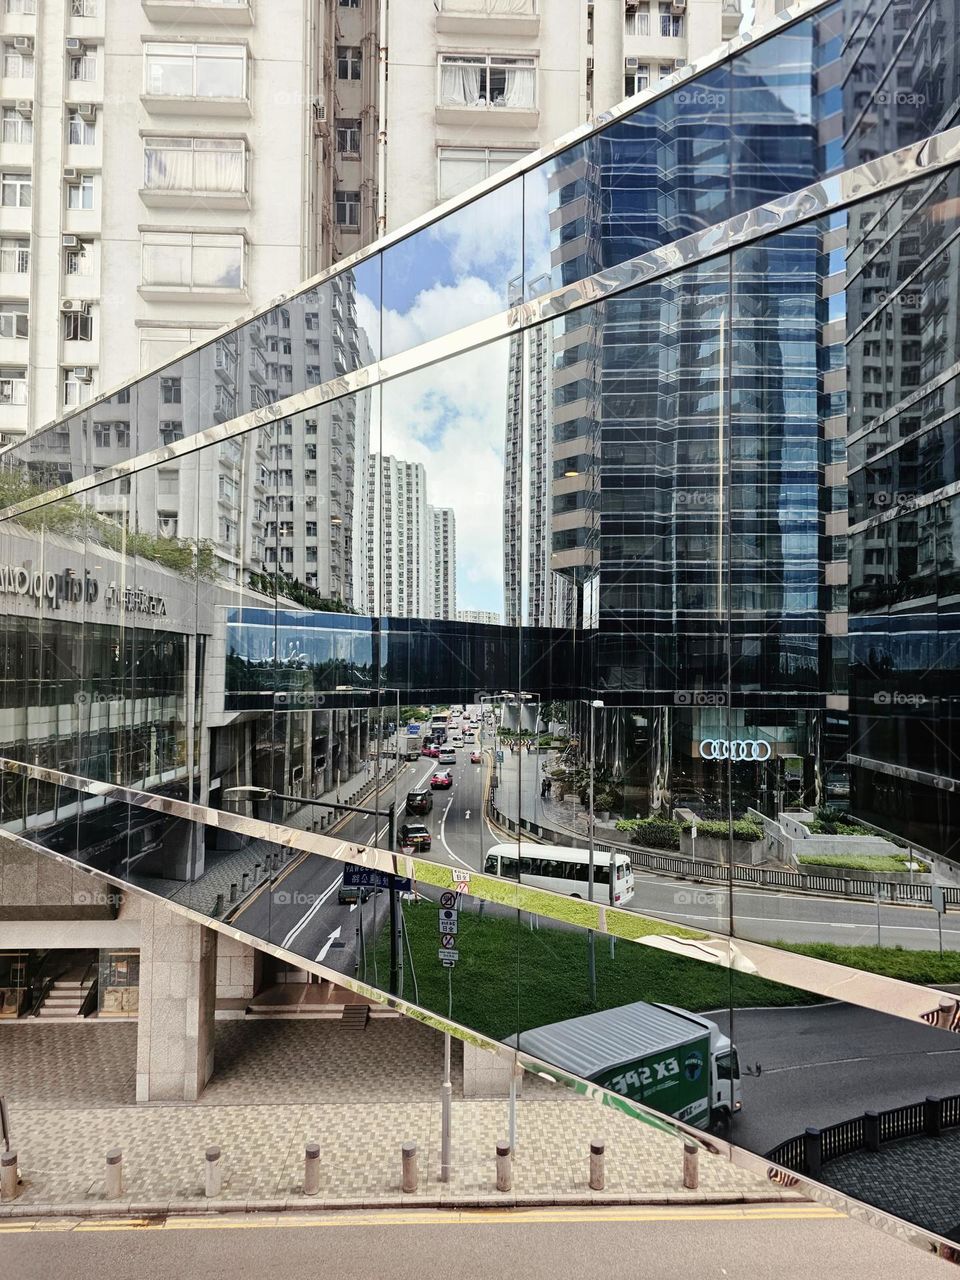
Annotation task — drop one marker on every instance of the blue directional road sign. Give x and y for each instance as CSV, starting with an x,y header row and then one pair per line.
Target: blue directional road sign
x,y
370,878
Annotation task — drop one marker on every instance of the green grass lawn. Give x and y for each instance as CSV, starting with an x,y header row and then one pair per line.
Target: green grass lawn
x,y
511,978
856,861
893,962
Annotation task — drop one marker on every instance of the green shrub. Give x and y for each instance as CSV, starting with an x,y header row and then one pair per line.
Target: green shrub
x,y
655,833
743,829
856,861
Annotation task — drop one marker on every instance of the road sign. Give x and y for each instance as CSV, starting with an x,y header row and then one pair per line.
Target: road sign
x,y
370,878
447,941
448,955
461,875
448,921
448,961
448,899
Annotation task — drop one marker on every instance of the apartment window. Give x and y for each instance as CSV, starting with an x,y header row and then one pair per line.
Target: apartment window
x,y
310,528
349,4
83,8
636,79
349,62
17,63
15,127
168,484
665,69
81,130
170,390
14,320
14,257
348,137
671,24
196,70
170,432
102,435
123,434
78,259
15,190
13,386
347,208
460,168
77,387
638,20
487,80
206,165
83,65
80,192
77,327
167,523
198,260
22,6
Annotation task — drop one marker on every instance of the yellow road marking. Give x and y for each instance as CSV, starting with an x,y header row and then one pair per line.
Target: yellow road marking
x,y
440,1218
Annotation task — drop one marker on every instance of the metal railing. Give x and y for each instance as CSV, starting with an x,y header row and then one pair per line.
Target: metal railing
x,y
809,1151
674,864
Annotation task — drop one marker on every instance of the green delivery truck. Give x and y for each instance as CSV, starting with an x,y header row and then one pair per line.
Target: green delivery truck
x,y
674,1061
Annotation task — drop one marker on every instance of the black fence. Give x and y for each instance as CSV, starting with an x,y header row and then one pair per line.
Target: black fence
x,y
808,1152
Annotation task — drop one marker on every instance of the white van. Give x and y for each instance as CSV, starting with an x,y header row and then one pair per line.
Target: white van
x,y
447,756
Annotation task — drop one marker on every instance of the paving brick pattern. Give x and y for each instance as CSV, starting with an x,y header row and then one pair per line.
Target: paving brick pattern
x,y
918,1179
279,1085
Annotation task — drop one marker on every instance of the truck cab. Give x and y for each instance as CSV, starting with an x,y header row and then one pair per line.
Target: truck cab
x,y
725,1095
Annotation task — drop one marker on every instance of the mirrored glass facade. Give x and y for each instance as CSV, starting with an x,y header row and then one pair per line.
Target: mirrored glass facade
x,y
597,536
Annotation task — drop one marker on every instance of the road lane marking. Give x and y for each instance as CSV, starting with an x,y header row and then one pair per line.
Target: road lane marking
x,y
443,838
775,1212
329,943
321,899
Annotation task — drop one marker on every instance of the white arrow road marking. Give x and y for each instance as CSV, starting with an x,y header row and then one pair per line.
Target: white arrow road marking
x,y
329,943
467,814
308,916
443,838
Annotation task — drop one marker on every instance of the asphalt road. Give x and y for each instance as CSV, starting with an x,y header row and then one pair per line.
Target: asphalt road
x,y
762,1242
827,1063
762,915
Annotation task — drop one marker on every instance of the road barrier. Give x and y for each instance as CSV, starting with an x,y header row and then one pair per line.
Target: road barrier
x,y
691,1166
311,1169
409,1173
597,1171
113,1174
809,1151
213,1172
889,891
504,1167
9,1186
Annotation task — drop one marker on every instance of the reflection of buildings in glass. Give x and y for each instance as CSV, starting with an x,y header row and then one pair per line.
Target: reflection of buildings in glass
x,y
411,546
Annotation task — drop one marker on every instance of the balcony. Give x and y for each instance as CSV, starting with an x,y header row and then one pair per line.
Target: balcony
x,y
219,13
489,17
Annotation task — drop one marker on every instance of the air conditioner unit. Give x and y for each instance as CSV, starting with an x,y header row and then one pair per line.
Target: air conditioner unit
x,y
25,108
678,6
83,373
69,242
74,45
69,304
678,63
87,110
71,175
319,111
23,42
631,64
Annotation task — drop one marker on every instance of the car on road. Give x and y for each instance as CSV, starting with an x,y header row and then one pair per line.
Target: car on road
x,y
447,755
415,835
441,780
419,801
348,894
432,750
476,757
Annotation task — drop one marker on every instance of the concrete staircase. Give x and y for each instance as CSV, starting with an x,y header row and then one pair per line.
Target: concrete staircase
x,y
65,997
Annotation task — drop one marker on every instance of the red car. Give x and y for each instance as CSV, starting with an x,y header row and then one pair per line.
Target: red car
x,y
431,750
476,757
441,780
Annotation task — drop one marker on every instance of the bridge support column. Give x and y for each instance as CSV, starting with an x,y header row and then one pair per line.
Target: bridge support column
x,y
178,987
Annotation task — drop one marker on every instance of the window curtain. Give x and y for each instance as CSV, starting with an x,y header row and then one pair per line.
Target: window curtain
x,y
218,170
459,84
519,87
168,170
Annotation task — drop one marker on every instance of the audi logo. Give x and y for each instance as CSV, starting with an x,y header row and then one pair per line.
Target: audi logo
x,y
738,749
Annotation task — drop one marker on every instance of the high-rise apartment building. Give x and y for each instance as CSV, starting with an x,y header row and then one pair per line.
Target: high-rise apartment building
x,y
442,556
141,143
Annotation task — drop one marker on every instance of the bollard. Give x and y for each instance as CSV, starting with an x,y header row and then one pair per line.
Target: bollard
x,y
504,1167
691,1166
596,1166
8,1175
113,1174
218,905
311,1169
213,1172
931,1117
244,881
812,1151
871,1130
257,868
408,1159
233,891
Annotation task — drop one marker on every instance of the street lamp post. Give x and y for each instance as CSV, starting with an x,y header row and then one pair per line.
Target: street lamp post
x,y
591,948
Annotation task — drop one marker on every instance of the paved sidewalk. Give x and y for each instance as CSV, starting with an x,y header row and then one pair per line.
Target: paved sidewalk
x,y
279,1085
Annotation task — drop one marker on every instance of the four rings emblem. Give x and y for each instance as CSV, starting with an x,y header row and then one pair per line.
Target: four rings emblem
x,y
737,749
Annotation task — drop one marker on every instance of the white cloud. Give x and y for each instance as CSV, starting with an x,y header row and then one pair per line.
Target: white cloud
x,y
451,418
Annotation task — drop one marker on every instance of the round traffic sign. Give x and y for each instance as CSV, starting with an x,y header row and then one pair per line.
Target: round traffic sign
x,y
448,899
448,940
